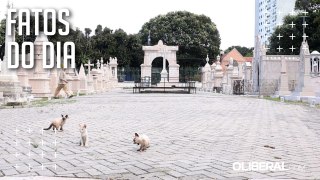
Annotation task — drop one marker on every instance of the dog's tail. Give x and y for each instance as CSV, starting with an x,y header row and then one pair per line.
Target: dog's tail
x,y
48,127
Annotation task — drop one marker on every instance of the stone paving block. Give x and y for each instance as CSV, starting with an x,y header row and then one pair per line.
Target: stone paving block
x,y
136,171
199,168
117,171
175,174
167,177
198,143
191,177
153,175
9,172
82,175
46,173
93,172
141,165
199,172
72,171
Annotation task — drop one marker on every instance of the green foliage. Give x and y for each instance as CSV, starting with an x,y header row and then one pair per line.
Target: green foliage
x,y
98,29
286,42
312,30
244,51
308,5
196,35
106,43
87,32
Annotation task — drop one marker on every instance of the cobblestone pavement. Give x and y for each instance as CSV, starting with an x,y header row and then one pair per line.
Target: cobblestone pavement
x,y
198,136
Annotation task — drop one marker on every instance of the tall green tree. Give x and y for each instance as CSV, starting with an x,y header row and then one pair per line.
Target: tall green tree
x,y
134,50
87,32
98,30
196,35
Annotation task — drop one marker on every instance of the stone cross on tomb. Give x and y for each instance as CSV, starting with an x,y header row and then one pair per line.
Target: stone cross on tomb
x,y
89,66
98,64
101,61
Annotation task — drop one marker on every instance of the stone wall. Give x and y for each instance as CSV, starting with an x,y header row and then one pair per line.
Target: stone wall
x,y
270,72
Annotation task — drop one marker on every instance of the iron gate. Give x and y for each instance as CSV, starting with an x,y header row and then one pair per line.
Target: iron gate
x,y
238,87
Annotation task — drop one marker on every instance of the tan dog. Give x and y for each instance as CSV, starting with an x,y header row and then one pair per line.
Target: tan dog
x,y
142,140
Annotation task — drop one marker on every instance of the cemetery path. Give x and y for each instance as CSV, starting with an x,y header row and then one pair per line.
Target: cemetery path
x,y
197,136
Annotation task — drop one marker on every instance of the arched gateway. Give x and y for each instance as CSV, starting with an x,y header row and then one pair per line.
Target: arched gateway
x,y
168,53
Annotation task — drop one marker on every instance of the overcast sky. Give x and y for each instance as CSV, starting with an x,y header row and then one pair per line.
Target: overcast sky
x,y
234,18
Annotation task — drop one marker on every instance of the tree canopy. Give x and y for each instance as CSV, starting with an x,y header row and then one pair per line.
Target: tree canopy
x,y
312,30
196,35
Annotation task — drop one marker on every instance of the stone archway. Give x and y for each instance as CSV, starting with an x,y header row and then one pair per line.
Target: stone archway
x,y
161,50
156,68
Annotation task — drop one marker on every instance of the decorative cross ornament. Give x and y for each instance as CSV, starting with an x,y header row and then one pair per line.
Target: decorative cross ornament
x,y
279,48
279,36
292,24
292,13
292,36
292,48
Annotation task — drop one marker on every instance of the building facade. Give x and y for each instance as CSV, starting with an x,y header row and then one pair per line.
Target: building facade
x,y
269,14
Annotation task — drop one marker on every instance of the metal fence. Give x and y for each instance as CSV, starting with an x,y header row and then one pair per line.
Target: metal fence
x,y
189,74
186,74
129,74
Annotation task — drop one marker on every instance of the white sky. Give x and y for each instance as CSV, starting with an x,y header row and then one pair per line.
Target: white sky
x,y
234,18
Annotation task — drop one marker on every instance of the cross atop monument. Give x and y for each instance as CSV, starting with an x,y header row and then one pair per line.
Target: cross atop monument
x,y
304,25
101,61
89,66
98,64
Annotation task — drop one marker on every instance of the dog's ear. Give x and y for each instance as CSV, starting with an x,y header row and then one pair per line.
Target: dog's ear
x,y
66,116
136,135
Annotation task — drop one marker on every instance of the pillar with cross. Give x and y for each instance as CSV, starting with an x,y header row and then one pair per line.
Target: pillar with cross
x,y
90,88
89,66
